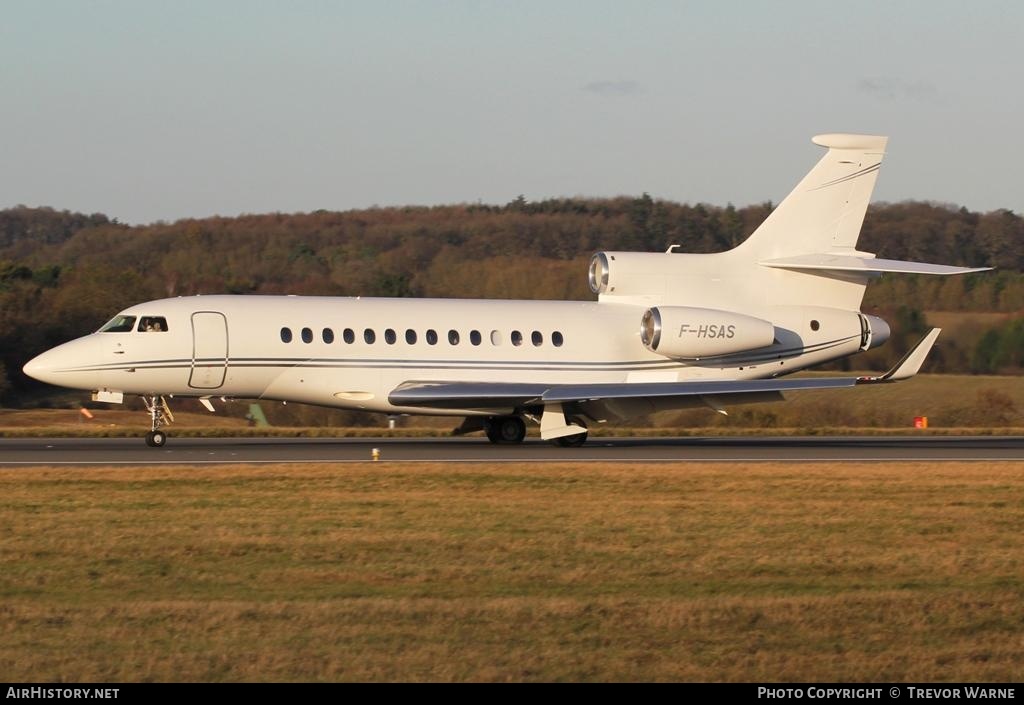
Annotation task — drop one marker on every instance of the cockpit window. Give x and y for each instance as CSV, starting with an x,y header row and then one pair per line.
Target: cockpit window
x,y
119,324
153,324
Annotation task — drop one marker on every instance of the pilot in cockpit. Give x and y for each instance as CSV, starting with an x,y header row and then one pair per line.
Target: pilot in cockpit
x,y
152,324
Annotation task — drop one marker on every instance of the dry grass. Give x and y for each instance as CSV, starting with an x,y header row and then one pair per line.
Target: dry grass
x,y
844,572
71,420
949,401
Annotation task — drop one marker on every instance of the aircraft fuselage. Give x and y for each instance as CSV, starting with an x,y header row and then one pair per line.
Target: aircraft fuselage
x,y
351,352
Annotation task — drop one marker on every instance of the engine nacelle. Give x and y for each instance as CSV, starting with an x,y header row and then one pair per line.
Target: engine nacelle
x,y
636,273
689,333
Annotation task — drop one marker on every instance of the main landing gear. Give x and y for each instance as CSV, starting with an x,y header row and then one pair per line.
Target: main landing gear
x,y
159,415
505,429
512,429
574,441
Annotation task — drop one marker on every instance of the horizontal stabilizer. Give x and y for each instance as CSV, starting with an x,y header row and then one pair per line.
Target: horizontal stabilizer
x,y
865,265
840,140
911,362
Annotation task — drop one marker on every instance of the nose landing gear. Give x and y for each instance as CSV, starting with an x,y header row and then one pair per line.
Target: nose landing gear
x,y
155,439
159,415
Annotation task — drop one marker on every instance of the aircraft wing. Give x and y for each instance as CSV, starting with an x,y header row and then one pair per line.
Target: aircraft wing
x,y
487,395
519,395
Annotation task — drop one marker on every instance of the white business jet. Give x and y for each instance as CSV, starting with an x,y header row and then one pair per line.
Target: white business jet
x,y
668,331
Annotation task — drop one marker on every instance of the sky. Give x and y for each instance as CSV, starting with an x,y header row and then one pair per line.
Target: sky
x,y
153,110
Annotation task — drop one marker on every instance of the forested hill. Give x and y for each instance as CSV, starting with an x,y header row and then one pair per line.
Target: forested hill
x,y
23,230
63,274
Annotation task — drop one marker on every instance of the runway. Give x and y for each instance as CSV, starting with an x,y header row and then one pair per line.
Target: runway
x,y
202,451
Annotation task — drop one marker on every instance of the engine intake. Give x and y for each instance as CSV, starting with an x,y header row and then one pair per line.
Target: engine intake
x,y
689,333
634,273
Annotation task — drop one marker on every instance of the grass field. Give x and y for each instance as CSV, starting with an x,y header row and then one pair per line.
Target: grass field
x,y
377,571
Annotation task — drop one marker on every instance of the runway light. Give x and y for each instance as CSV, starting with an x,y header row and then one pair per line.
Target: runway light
x,y
920,422
375,454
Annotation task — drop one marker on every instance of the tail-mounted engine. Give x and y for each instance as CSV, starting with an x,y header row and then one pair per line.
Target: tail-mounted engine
x,y
631,274
688,333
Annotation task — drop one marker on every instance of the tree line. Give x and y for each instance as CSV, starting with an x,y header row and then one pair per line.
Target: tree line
x,y
63,274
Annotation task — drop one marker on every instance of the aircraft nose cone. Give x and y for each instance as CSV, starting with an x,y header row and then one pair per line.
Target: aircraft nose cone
x,y
62,366
39,366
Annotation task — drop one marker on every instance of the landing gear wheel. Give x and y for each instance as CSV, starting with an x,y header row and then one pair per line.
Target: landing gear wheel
x,y
576,440
159,415
506,429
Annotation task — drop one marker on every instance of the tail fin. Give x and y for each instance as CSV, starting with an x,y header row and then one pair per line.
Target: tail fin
x,y
824,213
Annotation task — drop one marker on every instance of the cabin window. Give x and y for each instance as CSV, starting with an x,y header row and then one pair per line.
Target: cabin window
x,y
495,337
453,337
349,336
556,339
474,337
537,338
328,336
815,325
286,335
432,337
152,324
369,336
119,324
390,337
410,336
307,335
517,338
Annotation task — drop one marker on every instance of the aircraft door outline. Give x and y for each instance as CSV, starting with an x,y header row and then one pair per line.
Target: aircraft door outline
x,y
209,350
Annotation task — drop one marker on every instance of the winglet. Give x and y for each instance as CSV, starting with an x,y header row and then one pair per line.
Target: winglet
x,y
910,364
